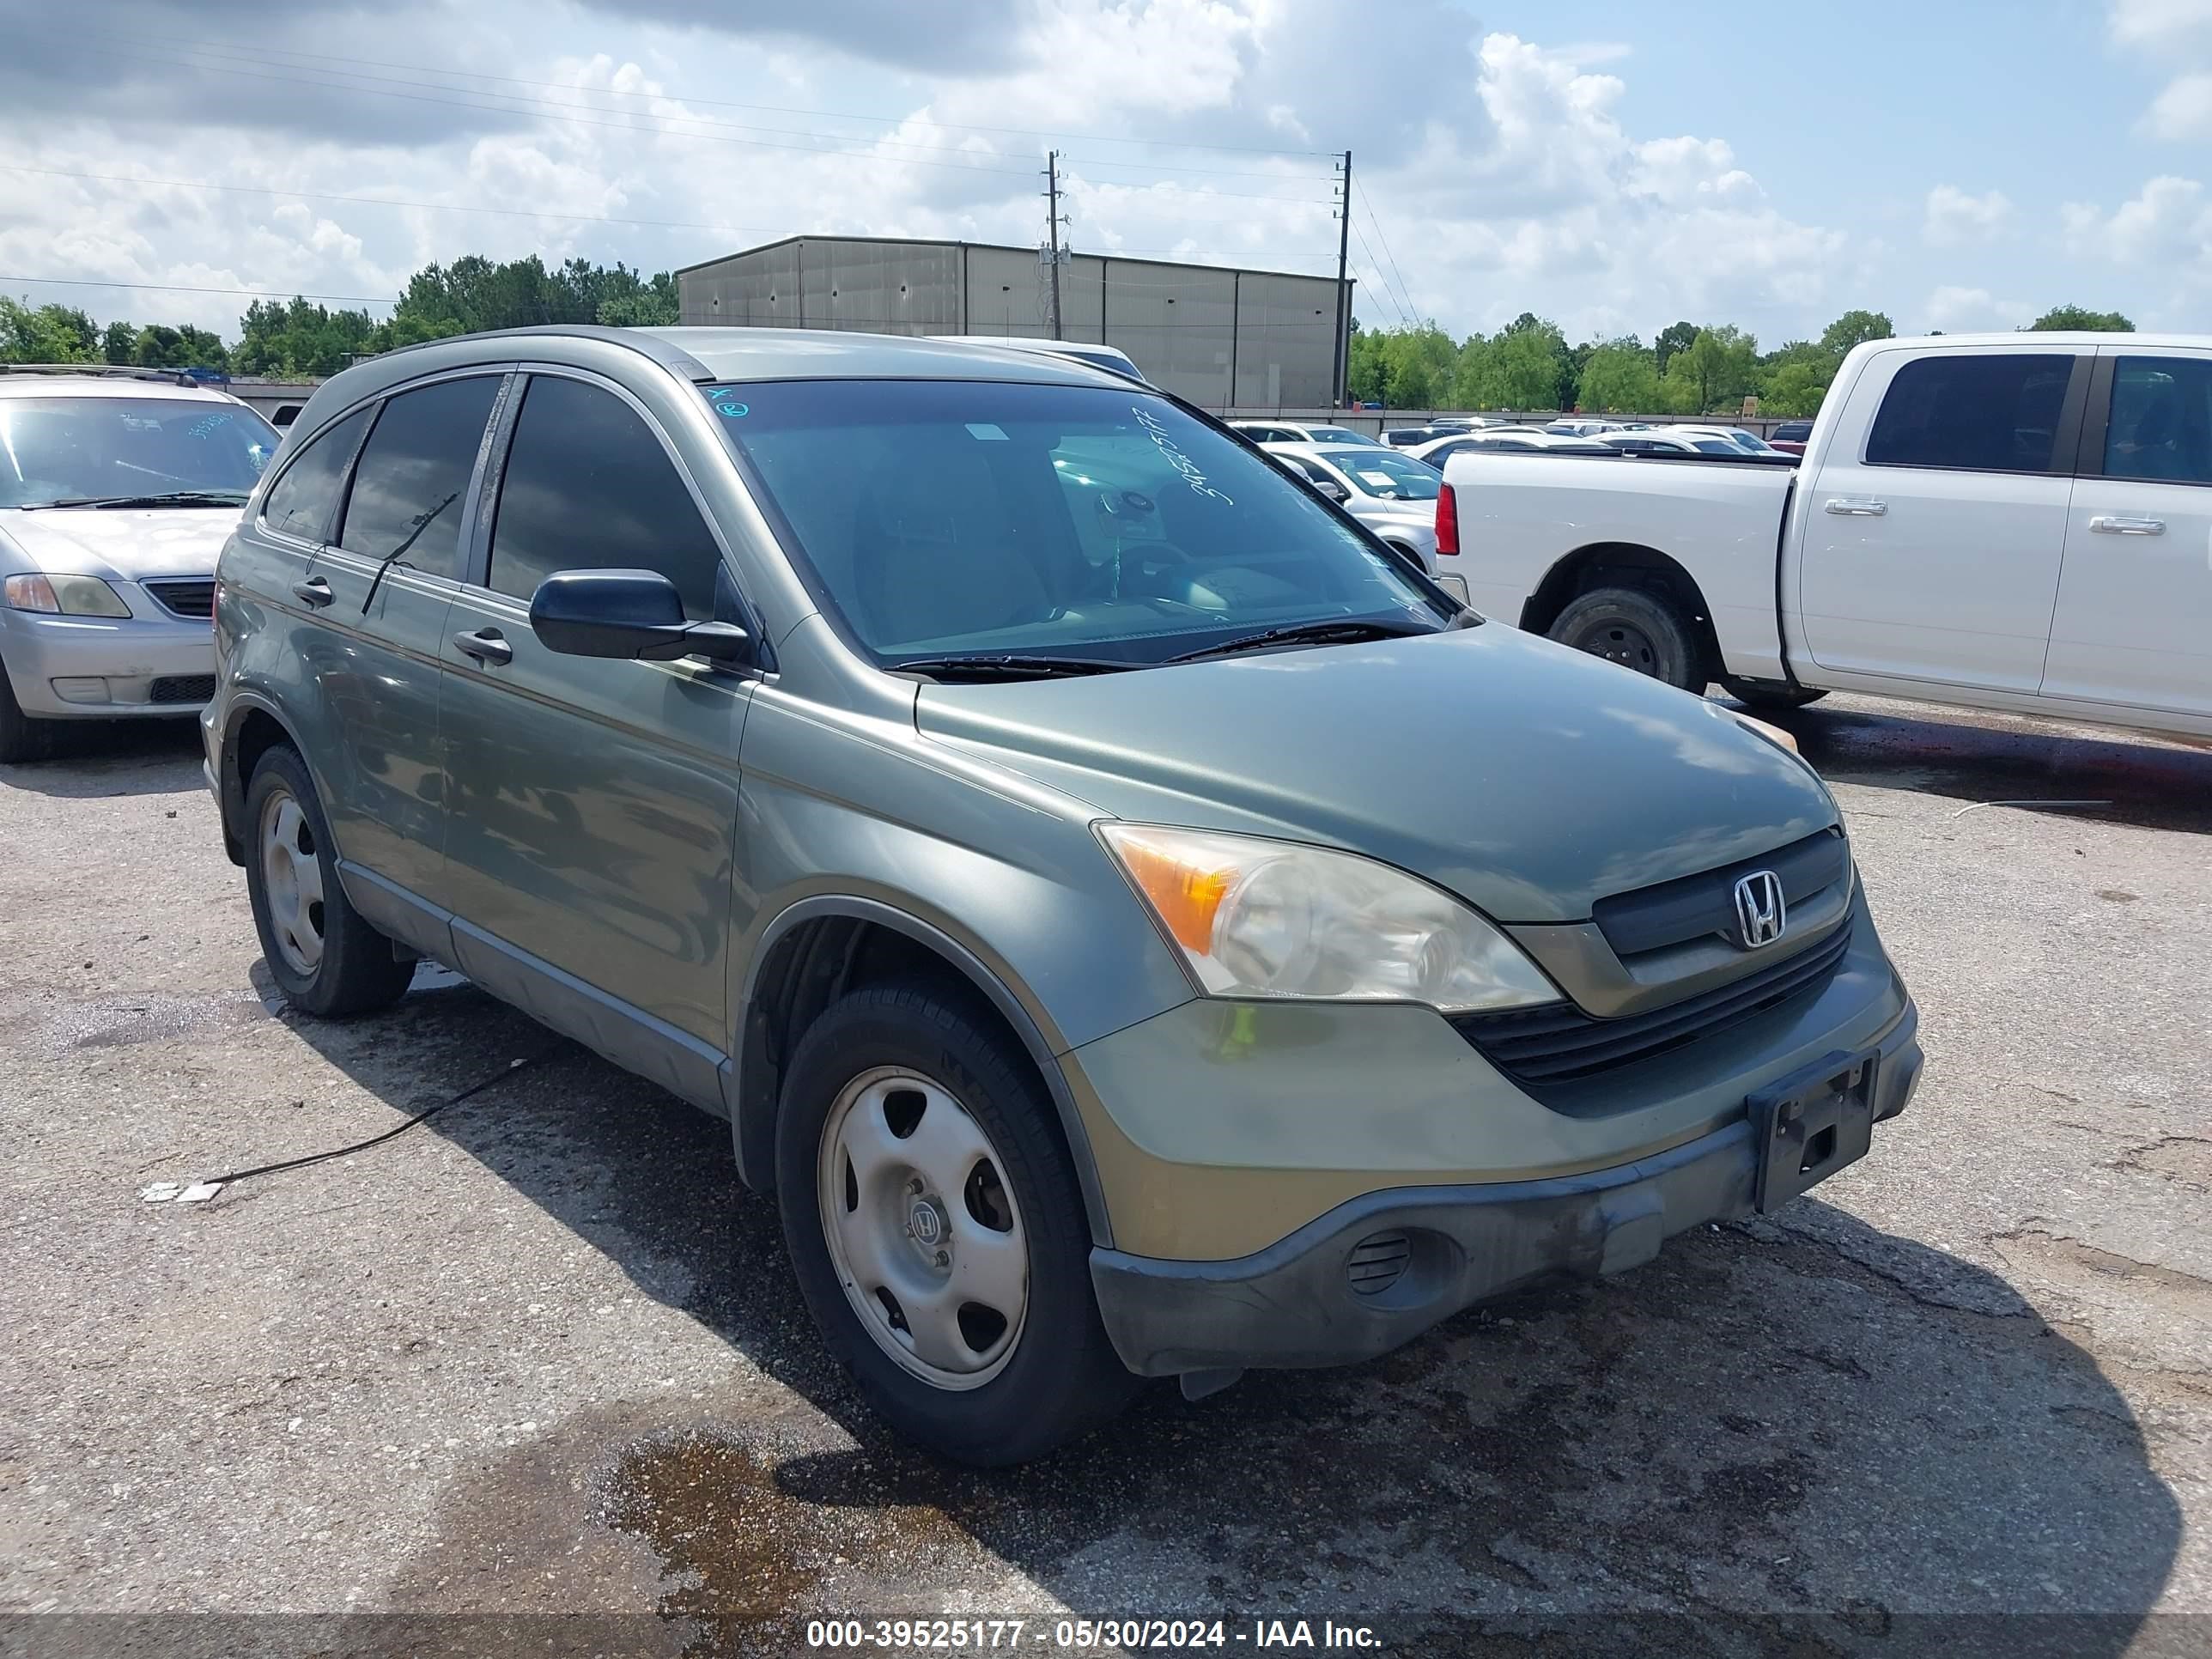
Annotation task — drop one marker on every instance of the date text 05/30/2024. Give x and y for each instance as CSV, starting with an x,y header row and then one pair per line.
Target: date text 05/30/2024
x,y
1082,1635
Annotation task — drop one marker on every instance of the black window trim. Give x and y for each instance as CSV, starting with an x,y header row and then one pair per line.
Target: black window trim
x,y
2096,421
476,564
2065,438
293,538
472,492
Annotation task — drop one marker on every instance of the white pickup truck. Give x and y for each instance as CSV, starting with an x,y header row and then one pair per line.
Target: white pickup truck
x,y
2015,522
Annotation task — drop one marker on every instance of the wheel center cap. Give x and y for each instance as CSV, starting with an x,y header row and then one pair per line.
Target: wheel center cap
x,y
926,1222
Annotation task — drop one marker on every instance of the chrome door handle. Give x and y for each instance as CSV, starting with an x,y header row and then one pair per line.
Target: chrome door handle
x,y
2107,524
1843,509
313,591
487,645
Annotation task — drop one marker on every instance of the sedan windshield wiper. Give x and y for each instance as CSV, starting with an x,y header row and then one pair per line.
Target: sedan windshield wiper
x,y
1007,666
168,498
1338,632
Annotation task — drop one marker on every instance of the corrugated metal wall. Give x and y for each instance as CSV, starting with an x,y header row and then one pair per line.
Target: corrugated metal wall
x,y
1214,336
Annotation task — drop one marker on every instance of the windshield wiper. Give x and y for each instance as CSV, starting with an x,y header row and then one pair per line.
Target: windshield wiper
x,y
1007,666
169,498
1343,632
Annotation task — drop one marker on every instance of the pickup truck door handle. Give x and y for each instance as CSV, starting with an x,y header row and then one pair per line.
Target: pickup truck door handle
x,y
1858,510
315,591
487,645
2106,523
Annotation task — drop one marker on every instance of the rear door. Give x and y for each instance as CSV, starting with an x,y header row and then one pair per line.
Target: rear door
x,y
594,815
2134,619
1935,525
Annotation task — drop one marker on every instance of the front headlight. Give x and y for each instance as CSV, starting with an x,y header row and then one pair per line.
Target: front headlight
x,y
1257,918
64,596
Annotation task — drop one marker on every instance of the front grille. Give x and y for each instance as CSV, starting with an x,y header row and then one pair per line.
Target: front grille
x,y
193,597
183,688
1377,1262
1544,1047
1693,907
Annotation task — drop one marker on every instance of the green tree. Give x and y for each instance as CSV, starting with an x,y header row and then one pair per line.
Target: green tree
x,y
2077,317
118,342
1855,328
1619,377
1524,366
1675,337
45,334
1715,368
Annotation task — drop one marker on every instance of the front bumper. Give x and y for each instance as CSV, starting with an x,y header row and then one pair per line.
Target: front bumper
x,y
99,668
1293,1303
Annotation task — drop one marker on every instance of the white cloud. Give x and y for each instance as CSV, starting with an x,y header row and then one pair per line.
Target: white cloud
x,y
1957,219
1954,310
2160,23
2168,226
2173,35
2183,111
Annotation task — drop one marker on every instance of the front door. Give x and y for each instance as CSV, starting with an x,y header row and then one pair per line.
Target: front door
x,y
2134,621
594,803
1932,553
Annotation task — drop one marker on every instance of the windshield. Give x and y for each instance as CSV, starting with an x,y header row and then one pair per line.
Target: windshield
x,y
1376,471
1340,434
91,448
942,517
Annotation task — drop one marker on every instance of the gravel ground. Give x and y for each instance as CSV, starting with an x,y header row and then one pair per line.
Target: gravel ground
x,y
534,1377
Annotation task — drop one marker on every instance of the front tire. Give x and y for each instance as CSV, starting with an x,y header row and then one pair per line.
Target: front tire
x,y
323,954
1638,630
938,1229
21,738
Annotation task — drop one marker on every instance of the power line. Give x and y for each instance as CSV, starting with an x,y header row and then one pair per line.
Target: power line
x,y
1377,266
260,54
1404,287
187,288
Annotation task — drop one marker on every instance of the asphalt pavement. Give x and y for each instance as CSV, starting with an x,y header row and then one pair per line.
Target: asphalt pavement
x,y
534,1377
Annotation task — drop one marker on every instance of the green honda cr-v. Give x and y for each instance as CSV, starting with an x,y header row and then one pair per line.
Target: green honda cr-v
x,y
1135,923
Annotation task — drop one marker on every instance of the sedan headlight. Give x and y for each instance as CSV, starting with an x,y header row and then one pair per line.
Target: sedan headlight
x,y
64,596
1257,918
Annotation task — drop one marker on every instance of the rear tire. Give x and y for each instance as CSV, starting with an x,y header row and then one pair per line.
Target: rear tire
x,y
323,954
1636,629
21,738
1780,698
891,1236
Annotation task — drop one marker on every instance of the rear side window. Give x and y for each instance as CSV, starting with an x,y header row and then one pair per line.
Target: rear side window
x,y
303,501
2160,425
414,469
589,486
1981,412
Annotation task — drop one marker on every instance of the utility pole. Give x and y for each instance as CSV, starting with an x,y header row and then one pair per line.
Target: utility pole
x,y
1341,359
1052,230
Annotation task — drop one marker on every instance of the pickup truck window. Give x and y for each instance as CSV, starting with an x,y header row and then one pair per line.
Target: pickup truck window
x,y
2161,420
1976,411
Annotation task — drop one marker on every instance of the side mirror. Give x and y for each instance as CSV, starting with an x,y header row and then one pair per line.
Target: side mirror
x,y
628,614
1329,487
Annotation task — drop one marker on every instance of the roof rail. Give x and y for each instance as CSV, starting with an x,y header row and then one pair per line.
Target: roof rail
x,y
667,355
111,371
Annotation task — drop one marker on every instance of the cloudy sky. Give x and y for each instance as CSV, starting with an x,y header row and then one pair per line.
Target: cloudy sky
x,y
1962,164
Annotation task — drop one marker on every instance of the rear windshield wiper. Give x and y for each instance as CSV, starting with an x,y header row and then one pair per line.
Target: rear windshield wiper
x,y
1312,633
1007,666
170,498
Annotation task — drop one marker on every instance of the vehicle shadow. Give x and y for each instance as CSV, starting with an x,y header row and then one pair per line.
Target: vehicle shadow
x,y
2152,783
99,758
1799,1434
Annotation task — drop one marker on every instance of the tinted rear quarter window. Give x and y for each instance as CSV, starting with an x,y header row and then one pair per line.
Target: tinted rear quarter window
x,y
415,468
588,485
2161,429
303,501
1978,411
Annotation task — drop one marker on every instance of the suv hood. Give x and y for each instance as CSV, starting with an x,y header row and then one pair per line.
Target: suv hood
x,y
1529,779
125,541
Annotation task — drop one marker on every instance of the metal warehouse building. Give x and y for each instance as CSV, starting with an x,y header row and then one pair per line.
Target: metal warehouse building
x,y
1223,339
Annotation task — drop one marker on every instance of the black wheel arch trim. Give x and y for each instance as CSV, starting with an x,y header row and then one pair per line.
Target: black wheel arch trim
x,y
752,1117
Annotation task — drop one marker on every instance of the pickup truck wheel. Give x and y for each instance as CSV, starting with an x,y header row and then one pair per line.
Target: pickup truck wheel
x,y
21,738
1637,629
937,1230
1771,697
323,954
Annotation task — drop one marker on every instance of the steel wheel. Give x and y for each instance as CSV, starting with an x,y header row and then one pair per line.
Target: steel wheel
x,y
922,1228
1622,643
292,875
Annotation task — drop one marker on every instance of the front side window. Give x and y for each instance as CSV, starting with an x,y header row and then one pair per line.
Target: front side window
x,y
2161,425
1374,470
1985,412
304,500
56,451
405,503
943,517
587,486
